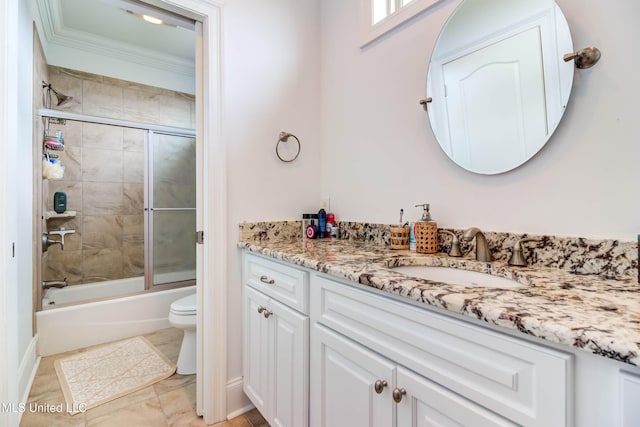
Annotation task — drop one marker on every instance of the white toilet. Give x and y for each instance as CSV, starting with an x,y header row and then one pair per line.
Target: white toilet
x,y
182,315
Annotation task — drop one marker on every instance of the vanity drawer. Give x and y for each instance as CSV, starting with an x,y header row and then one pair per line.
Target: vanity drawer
x,y
285,283
521,381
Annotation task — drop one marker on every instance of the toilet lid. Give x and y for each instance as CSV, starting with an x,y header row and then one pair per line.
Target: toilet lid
x,y
185,306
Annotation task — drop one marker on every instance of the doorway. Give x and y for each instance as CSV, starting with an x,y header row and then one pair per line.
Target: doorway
x,y
210,203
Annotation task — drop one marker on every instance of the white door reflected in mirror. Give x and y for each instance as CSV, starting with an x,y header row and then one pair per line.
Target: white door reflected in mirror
x,y
498,82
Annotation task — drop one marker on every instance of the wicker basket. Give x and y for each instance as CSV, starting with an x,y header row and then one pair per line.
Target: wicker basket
x,y
399,237
426,237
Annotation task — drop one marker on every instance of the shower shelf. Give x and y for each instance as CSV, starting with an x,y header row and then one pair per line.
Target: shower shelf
x,y
54,214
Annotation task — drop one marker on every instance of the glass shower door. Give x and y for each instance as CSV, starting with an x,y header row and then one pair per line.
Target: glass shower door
x,y
171,209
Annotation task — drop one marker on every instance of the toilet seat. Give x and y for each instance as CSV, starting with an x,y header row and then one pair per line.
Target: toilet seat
x,y
184,306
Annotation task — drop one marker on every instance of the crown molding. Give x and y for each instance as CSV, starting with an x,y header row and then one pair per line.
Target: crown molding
x,y
55,32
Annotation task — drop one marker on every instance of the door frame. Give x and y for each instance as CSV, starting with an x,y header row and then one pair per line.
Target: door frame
x,y
211,217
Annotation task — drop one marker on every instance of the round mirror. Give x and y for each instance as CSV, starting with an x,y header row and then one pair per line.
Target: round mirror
x,y
497,82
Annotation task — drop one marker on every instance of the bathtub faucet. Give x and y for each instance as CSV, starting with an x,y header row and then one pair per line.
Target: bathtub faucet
x,y
48,241
55,284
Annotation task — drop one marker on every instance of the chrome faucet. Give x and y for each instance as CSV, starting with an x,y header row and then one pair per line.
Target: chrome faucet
x,y
483,253
55,284
517,257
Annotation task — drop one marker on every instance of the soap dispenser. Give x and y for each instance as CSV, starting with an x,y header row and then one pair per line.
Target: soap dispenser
x,y
426,232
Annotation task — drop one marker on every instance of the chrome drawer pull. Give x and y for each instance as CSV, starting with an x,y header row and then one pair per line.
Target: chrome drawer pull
x,y
265,279
379,386
267,313
261,309
398,393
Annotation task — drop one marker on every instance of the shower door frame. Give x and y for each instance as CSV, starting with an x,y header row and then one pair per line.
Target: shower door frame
x,y
150,209
148,128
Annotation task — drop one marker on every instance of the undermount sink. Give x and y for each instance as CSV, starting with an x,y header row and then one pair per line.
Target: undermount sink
x,y
457,276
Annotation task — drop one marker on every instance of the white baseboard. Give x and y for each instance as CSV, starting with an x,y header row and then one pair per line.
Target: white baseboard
x,y
27,370
237,401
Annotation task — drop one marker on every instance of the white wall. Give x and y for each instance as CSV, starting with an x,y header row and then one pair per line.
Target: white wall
x,y
25,243
17,356
379,154
271,84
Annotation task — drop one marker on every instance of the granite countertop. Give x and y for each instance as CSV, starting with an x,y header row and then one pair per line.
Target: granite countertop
x,y
589,312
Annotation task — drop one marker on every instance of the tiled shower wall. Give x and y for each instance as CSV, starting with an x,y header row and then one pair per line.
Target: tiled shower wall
x,y
104,175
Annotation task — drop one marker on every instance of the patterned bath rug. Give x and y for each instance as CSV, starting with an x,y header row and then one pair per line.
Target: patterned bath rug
x,y
97,376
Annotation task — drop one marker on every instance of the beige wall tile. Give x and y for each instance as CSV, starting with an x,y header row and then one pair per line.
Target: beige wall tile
x,y
77,74
174,111
99,265
71,159
133,228
98,159
134,140
61,264
102,232
132,258
101,99
101,165
40,70
141,105
133,166
102,136
133,199
102,198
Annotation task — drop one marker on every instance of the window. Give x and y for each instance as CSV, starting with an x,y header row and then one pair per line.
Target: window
x,y
384,8
378,17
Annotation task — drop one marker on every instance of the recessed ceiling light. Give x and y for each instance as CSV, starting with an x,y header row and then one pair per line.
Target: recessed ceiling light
x,y
149,18
152,19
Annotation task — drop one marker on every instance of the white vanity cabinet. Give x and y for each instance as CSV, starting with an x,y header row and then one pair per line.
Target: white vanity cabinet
x,y
276,340
443,371
351,385
356,387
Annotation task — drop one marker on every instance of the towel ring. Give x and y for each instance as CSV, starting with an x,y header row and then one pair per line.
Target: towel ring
x,y
284,137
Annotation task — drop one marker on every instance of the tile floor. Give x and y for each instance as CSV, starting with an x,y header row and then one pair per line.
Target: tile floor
x,y
168,403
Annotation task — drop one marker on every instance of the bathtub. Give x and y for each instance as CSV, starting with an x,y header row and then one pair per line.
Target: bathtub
x,y
71,327
76,293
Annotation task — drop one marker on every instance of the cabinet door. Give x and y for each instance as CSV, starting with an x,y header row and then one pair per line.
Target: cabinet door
x,y
428,404
289,371
256,355
343,378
